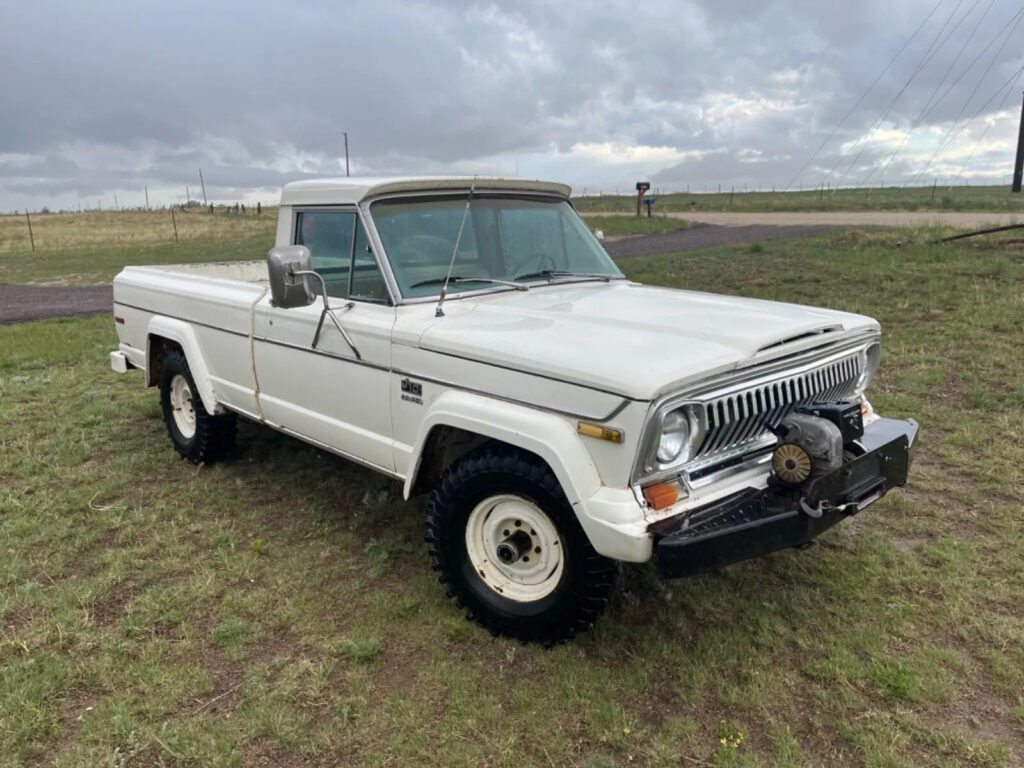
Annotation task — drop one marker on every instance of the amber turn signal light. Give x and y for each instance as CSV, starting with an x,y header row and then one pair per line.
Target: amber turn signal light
x,y
601,433
660,496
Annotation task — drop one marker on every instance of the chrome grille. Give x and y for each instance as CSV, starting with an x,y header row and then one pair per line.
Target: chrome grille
x,y
740,420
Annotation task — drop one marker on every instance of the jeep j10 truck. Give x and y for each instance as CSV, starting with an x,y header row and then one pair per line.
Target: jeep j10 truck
x,y
472,339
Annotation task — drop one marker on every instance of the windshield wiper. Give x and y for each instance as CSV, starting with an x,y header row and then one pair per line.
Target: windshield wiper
x,y
441,280
550,273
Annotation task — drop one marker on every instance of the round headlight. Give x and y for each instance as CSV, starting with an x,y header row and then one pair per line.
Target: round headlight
x,y
872,356
675,431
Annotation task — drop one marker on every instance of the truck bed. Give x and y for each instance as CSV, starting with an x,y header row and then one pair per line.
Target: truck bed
x,y
254,271
206,308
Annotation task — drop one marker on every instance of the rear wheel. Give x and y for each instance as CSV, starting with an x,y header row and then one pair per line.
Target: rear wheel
x,y
200,437
505,540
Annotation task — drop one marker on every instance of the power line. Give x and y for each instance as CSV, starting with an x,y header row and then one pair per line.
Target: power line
x,y
1009,28
924,110
1011,83
977,58
878,123
864,95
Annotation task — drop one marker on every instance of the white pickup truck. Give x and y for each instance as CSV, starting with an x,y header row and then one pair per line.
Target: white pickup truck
x,y
473,340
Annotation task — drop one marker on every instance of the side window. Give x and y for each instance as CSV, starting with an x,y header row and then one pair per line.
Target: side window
x,y
328,235
367,282
341,254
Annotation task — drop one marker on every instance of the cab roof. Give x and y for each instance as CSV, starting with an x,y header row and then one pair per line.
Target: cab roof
x,y
349,190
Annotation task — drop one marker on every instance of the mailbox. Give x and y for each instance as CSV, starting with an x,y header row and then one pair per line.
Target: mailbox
x,y
641,187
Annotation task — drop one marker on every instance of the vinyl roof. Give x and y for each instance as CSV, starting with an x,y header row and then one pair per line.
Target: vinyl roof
x,y
349,190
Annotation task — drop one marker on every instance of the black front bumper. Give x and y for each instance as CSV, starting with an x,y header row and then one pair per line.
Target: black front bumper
x,y
758,521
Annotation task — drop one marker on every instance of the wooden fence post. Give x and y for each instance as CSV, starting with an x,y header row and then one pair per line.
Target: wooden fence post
x,y
175,226
31,239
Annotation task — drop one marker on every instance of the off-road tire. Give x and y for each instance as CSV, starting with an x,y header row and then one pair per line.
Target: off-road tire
x,y
214,436
587,580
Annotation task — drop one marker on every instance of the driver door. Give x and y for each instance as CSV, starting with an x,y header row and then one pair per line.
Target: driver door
x,y
329,394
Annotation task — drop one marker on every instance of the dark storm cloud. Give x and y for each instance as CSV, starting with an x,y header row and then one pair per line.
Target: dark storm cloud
x,y
100,98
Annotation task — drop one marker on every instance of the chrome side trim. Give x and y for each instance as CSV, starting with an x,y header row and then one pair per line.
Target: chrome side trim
x,y
572,382
321,352
185,320
515,401
530,404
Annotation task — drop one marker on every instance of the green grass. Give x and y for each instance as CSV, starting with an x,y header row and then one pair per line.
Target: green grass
x,y
630,225
869,199
280,608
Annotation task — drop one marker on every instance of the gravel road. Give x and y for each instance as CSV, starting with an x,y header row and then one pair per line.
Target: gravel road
x,y
23,303
958,219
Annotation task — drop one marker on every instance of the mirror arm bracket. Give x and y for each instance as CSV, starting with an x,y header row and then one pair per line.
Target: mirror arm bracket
x,y
328,311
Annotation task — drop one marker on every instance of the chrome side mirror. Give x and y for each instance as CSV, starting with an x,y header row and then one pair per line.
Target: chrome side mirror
x,y
288,289
599,234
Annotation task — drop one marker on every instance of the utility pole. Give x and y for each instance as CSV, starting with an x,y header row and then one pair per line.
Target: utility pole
x,y
201,184
346,153
146,188
1018,166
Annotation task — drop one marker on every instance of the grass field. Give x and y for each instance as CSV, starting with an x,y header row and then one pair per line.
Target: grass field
x,y
877,199
280,610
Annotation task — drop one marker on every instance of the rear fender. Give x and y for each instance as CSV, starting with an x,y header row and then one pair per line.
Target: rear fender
x,y
184,336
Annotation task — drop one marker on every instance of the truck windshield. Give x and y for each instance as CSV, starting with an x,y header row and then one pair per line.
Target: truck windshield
x,y
512,239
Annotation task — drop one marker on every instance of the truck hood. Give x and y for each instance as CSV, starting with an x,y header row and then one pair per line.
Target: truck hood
x,y
634,340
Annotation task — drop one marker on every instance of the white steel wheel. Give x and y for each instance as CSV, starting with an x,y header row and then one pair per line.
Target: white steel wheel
x,y
515,548
182,407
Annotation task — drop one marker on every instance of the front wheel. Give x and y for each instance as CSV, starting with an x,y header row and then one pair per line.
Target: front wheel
x,y
506,541
199,436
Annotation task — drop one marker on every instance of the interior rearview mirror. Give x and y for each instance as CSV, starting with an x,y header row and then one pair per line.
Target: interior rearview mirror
x,y
287,289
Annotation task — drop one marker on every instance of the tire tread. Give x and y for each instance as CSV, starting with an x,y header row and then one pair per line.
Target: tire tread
x,y
215,434
591,590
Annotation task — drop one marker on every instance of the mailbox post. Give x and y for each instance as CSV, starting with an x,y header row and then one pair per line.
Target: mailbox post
x,y
641,187
649,201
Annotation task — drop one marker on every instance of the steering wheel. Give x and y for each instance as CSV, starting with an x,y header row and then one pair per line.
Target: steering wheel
x,y
537,256
425,249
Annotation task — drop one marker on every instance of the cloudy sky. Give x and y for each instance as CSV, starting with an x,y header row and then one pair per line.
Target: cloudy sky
x,y
102,98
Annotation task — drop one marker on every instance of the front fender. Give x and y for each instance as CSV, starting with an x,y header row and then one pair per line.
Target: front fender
x,y
184,335
550,436
611,518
